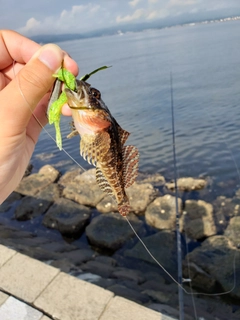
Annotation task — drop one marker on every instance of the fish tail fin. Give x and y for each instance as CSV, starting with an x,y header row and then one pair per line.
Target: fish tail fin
x,y
124,208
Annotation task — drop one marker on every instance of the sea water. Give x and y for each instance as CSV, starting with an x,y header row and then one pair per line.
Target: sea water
x,y
204,61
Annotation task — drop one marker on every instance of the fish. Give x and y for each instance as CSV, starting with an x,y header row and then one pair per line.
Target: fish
x,y
102,143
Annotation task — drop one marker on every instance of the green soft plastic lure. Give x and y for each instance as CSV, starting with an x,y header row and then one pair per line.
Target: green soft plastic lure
x,y
57,100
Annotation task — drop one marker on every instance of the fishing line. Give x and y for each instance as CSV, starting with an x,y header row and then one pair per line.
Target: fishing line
x,y
39,123
138,237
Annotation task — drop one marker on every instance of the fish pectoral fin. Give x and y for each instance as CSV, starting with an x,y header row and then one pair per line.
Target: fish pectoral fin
x,y
123,134
130,165
103,183
72,134
94,146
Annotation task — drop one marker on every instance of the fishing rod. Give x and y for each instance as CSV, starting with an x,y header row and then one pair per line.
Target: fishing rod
x,y
179,245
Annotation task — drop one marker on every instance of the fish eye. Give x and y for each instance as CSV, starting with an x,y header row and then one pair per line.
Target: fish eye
x,y
94,92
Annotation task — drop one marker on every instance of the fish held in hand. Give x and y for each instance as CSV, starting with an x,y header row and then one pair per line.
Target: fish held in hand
x,y
102,143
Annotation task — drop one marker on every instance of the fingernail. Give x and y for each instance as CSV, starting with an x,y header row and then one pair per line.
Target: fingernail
x,y
51,55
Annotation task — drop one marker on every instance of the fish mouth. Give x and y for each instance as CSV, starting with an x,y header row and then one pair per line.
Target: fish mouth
x,y
78,99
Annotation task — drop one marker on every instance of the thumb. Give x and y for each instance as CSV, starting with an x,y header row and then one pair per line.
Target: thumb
x,y
21,96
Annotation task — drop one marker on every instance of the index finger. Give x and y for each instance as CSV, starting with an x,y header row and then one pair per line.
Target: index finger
x,y
14,46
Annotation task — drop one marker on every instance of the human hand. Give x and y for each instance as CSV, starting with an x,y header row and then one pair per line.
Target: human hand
x,y
24,88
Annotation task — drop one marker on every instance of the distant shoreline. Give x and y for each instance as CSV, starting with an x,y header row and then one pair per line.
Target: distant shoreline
x,y
46,38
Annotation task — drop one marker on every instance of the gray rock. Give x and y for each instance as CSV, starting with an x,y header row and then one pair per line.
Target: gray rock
x,y
225,208
37,253
130,284
187,184
166,310
58,246
161,213
198,220
51,193
111,230
128,274
199,278
31,207
153,285
107,204
162,246
6,205
69,177
79,256
218,258
140,195
13,233
157,180
32,184
50,172
106,260
63,264
67,216
130,294
99,268
88,177
233,230
84,193
104,283
28,170
158,296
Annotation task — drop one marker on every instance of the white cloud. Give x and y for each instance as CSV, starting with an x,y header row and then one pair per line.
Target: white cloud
x,y
133,3
152,1
174,3
135,16
68,21
31,25
157,14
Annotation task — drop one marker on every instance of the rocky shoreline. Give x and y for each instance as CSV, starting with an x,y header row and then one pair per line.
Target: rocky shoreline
x,y
67,221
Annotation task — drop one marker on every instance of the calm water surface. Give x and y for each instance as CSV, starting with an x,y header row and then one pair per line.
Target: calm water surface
x,y
205,63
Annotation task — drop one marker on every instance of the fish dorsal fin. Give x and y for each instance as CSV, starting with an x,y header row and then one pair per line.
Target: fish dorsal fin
x,y
94,146
103,183
123,134
130,165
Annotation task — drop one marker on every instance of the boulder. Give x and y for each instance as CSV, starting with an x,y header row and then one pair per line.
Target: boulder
x,y
218,258
129,294
107,204
85,194
99,268
187,184
156,179
31,207
68,217
233,230
140,195
69,177
161,213
84,189
111,230
163,248
35,182
128,274
51,193
198,220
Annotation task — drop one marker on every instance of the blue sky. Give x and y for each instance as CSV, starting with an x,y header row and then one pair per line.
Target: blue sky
x,y
60,16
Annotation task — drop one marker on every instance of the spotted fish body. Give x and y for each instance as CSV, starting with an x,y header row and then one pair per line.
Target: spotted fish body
x,y
102,143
